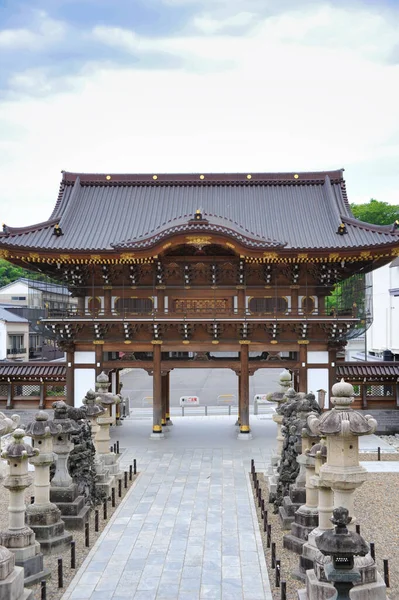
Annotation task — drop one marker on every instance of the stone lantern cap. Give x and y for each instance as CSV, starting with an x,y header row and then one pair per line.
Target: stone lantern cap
x,y
61,418
93,409
8,424
42,426
319,447
102,378
341,543
17,448
342,419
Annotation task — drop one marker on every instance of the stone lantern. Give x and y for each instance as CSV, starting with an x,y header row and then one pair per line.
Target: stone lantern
x,y
341,546
43,516
94,410
19,538
285,380
63,491
342,473
7,425
104,421
342,427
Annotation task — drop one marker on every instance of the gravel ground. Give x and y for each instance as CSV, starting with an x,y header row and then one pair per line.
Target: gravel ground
x,y
377,512
51,562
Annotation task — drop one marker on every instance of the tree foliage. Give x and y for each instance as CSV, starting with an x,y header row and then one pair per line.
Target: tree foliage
x,y
10,273
376,212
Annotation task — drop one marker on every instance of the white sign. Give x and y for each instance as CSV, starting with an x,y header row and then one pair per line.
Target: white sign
x,y
189,401
260,398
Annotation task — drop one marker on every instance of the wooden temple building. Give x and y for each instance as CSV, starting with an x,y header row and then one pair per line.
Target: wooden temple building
x,y
238,271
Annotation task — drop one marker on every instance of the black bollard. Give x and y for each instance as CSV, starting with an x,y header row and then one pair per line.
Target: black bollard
x,y
135,466
357,528
125,482
252,465
43,592
87,535
96,517
120,488
73,555
283,590
269,535
105,505
60,574
265,521
113,497
378,453
372,550
130,472
277,574
262,507
111,449
117,446
386,572
273,556
259,497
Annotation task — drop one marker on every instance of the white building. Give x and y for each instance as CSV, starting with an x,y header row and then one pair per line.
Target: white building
x,y
37,294
383,335
14,336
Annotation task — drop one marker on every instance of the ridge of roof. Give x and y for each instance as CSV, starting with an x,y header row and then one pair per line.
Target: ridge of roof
x,y
295,178
368,226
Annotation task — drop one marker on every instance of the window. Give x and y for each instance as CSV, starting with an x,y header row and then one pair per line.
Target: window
x,y
16,344
133,305
18,297
269,304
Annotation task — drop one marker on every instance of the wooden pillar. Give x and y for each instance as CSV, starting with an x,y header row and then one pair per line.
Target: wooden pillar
x,y
239,400
303,368
107,299
81,306
241,300
98,349
163,394
157,389
70,377
244,389
161,300
294,300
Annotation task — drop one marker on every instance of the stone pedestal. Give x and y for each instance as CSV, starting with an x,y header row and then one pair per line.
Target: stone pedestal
x,y
63,492
12,578
19,538
43,516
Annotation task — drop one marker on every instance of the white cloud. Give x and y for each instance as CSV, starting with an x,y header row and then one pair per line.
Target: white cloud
x,y
44,31
287,102
208,24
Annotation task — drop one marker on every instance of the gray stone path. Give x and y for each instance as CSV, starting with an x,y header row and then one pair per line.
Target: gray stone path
x,y
187,530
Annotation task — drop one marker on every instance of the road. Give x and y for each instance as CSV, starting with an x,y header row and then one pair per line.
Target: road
x,y
205,383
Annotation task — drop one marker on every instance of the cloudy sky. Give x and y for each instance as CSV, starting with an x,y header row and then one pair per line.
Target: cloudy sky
x,y
196,85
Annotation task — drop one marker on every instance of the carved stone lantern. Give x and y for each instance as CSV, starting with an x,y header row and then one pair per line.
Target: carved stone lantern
x,y
7,425
104,421
342,546
93,411
342,427
43,516
63,491
285,380
19,538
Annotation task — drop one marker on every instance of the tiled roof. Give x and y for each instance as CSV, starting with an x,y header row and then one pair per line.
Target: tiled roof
x,y
9,317
34,371
263,210
369,370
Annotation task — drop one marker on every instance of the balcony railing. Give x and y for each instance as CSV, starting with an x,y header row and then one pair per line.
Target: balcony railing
x,y
215,313
15,351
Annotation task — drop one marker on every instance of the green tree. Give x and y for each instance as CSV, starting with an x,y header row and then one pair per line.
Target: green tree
x,y
10,272
376,212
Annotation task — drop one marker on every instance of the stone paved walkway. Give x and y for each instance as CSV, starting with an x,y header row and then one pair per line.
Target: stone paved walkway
x,y
187,530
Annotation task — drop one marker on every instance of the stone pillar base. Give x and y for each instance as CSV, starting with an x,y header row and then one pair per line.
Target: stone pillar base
x,y
244,436
157,436
12,587
74,510
48,527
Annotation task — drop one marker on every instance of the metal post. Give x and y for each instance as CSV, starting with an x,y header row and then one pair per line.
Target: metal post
x,y
372,550
283,590
269,535
120,488
113,497
135,467
378,453
273,556
87,535
60,574
386,572
117,446
96,516
277,574
73,555
265,521
130,472
105,510
43,594
206,410
125,476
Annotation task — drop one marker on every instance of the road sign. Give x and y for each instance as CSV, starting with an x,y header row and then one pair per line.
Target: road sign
x,y
189,401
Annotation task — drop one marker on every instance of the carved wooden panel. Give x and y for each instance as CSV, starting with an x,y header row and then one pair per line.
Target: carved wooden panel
x,y
205,305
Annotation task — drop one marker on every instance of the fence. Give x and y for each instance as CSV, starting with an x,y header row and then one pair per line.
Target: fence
x,y
30,394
